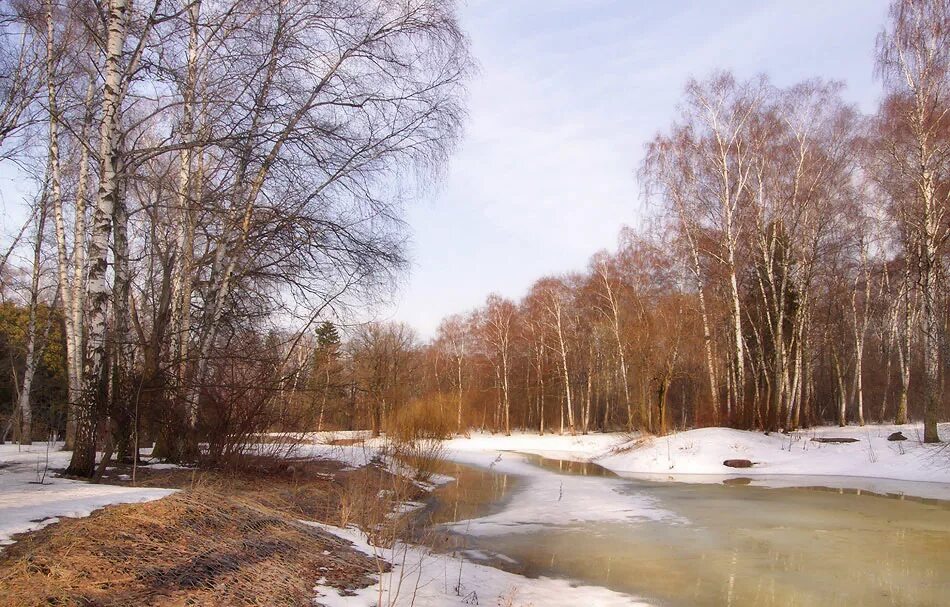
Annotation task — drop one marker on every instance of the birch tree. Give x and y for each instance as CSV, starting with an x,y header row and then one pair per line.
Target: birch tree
x,y
914,62
499,321
97,289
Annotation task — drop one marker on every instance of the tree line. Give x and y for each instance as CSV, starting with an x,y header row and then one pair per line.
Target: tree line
x,y
792,272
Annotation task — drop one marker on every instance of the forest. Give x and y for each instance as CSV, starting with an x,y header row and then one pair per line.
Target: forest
x,y
216,195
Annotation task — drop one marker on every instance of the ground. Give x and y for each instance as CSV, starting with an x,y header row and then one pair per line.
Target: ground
x,y
33,496
240,537
283,532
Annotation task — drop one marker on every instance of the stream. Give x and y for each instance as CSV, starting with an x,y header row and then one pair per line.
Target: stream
x,y
684,544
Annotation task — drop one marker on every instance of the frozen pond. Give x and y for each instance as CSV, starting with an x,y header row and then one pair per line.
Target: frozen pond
x,y
682,544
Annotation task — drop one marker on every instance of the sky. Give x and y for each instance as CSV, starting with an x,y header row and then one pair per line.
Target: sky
x,y
567,94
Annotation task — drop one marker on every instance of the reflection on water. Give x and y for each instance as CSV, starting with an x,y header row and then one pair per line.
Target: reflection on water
x,y
744,546
476,492
564,466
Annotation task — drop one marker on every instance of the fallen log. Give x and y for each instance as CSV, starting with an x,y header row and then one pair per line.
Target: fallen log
x,y
737,463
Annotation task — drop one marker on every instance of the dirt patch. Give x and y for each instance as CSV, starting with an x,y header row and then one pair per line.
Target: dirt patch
x,y
228,538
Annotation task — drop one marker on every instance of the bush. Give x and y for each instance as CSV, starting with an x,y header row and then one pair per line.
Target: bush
x,y
420,419
415,435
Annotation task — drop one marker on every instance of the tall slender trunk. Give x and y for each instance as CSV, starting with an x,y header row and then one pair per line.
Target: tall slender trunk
x,y
585,422
73,364
75,294
904,350
621,355
458,368
860,327
738,385
539,353
122,348
184,246
841,392
32,358
504,373
707,348
930,313
323,402
564,369
97,289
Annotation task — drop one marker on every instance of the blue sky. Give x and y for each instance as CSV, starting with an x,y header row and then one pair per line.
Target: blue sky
x,y
568,93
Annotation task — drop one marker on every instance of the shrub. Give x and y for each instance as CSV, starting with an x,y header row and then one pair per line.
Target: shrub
x,y
415,436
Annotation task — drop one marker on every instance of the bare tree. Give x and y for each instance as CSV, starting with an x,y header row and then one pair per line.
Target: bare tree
x,y
914,61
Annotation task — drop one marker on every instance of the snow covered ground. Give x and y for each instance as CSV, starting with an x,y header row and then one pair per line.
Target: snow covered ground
x,y
425,579
872,463
31,497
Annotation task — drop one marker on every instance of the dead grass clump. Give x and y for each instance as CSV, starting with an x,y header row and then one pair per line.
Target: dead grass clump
x,y
632,442
197,547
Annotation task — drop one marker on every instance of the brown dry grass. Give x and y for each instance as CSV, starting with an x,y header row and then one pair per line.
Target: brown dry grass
x,y
228,538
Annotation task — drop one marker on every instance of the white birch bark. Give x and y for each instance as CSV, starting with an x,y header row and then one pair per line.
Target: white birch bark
x,y
97,288
32,358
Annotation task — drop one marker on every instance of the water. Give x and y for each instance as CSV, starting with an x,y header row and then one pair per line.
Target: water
x,y
742,545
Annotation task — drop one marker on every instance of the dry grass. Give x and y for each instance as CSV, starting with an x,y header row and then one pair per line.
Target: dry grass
x,y
229,539
632,441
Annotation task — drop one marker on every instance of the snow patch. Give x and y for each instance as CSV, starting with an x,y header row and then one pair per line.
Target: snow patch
x,y
32,498
424,579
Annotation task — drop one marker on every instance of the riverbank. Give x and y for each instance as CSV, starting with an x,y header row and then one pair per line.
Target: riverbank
x,y
33,495
241,536
871,462
279,533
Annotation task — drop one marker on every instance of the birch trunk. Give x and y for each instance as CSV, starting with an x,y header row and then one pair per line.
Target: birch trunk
x,y
564,369
97,289
504,373
614,306
458,366
32,358
75,293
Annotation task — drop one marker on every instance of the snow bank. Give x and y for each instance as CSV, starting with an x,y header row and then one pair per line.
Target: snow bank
x,y
702,451
557,446
425,579
873,463
31,497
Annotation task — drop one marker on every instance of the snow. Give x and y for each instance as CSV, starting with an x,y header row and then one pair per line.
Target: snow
x,y
873,463
694,454
425,579
26,504
546,499
556,446
319,445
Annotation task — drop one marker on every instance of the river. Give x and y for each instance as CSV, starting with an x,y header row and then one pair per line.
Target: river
x,y
697,544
